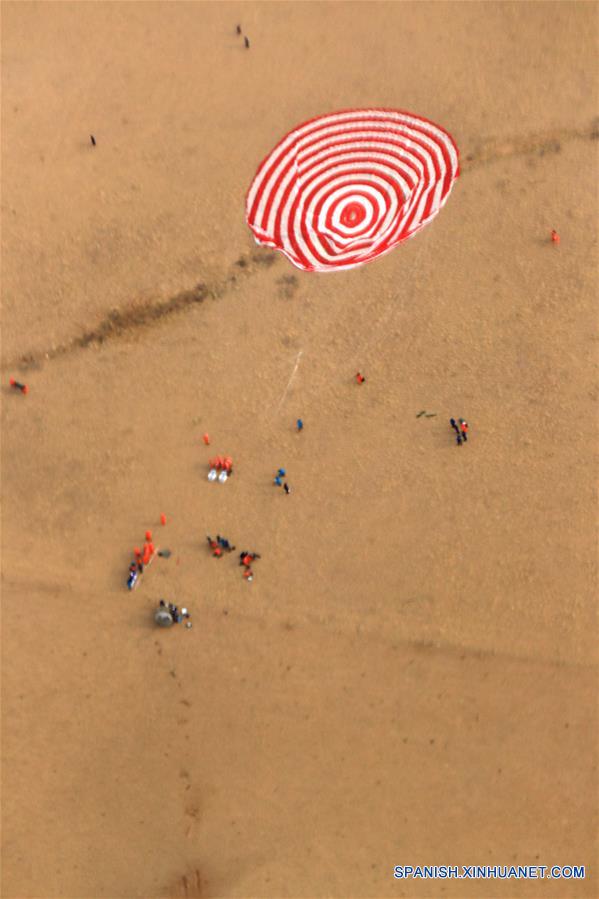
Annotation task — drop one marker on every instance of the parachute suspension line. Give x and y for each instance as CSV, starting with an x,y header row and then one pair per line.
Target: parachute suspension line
x,y
286,391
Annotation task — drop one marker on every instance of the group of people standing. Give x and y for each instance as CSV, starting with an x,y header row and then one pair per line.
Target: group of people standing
x,y
461,430
168,614
220,544
142,559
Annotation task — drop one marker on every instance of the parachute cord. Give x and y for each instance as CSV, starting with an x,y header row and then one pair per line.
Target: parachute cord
x,y
295,367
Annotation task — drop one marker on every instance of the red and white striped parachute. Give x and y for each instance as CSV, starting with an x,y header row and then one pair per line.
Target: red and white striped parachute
x,y
345,188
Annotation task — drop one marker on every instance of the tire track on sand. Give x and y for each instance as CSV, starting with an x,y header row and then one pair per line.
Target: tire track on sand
x,y
492,149
144,313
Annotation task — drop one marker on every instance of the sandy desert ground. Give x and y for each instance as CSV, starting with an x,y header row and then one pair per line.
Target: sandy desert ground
x,y
412,676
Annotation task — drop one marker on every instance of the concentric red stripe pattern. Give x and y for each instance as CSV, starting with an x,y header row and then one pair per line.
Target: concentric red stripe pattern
x,y
345,188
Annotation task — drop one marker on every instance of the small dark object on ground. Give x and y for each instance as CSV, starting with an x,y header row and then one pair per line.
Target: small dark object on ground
x,y
19,386
238,29
165,553
162,616
93,140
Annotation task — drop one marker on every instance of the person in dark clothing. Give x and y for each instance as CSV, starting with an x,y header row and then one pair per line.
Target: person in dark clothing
x,y
286,487
224,543
175,613
246,41
133,575
453,424
238,29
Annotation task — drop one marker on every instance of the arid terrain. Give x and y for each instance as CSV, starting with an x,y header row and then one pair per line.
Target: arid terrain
x,y
411,677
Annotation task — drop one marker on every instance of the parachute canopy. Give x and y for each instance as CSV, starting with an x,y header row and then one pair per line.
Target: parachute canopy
x,y
344,188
